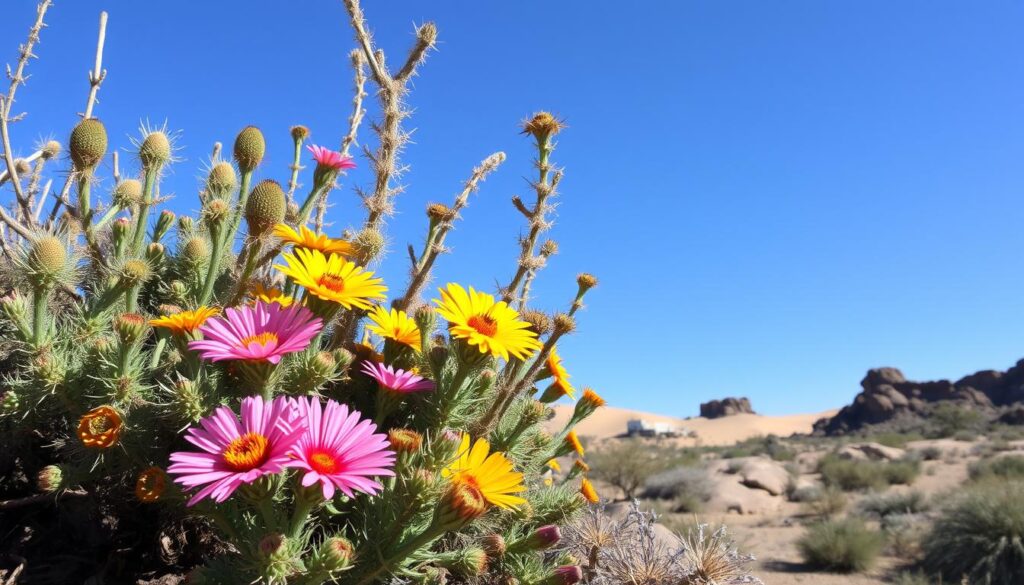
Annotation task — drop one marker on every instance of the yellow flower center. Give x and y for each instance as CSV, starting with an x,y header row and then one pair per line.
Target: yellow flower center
x,y
100,424
332,282
323,463
261,338
246,452
484,324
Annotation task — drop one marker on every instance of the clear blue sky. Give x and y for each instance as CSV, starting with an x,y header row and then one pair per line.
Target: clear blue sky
x,y
776,196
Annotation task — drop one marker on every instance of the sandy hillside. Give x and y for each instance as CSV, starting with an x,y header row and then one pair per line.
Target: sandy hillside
x,y
609,422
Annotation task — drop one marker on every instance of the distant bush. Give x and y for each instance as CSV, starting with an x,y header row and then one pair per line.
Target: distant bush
x,y
908,578
980,535
895,439
903,534
845,546
807,493
627,464
853,475
689,486
882,505
1007,467
949,420
830,501
770,446
930,453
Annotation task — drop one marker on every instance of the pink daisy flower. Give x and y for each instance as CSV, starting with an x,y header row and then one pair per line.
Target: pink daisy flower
x,y
262,332
395,380
331,158
234,454
340,449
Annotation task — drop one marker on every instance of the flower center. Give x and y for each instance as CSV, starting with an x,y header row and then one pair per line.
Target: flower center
x,y
263,339
333,282
100,425
323,463
246,452
484,324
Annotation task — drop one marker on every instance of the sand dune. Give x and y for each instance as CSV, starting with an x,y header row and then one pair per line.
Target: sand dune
x,y
609,422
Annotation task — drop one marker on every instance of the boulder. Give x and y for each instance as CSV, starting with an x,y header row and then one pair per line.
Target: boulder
x,y
874,451
726,407
731,496
764,474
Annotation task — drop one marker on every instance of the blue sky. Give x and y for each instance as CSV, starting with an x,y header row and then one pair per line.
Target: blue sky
x,y
776,196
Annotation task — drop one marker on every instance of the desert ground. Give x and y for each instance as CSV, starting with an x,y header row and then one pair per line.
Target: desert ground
x,y
757,494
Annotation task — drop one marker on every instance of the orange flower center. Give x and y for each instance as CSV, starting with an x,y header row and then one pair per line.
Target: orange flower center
x,y
484,324
332,282
246,452
263,339
323,463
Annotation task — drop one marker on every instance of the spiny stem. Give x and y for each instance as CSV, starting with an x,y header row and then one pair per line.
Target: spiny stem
x,y
39,303
236,220
214,267
142,221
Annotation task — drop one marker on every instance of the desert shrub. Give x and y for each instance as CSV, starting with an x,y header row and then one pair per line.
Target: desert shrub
x,y
627,464
845,546
930,453
895,439
854,475
769,445
807,493
980,535
902,472
830,501
909,578
1007,467
689,486
882,505
903,534
950,420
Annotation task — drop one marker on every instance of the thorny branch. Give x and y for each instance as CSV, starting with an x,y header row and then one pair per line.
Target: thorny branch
x,y
98,73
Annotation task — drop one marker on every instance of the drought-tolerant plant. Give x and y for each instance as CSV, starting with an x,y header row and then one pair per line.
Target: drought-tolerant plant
x,y
886,504
687,487
825,502
628,463
948,419
1006,466
246,383
854,475
979,536
769,445
845,546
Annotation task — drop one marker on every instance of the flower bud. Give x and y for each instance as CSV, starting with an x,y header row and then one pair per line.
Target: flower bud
x,y
130,328
494,545
369,243
222,180
178,290
461,503
187,401
155,253
50,479
249,149
335,554
405,440
425,318
299,133
186,224
163,224
265,207
9,402
47,257
135,272
216,213
119,230
271,545
468,562
544,537
14,306
564,575
88,144
155,150
543,125
127,193
196,251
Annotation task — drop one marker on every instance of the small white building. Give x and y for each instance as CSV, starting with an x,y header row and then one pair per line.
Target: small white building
x,y
644,428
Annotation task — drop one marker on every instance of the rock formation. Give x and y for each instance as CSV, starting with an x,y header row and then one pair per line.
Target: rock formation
x,y
725,407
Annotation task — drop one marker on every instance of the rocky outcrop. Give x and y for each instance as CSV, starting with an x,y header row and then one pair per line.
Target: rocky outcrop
x,y
887,395
726,407
872,451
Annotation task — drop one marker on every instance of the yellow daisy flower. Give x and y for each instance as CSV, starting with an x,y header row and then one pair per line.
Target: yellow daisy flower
x,y
574,443
271,295
493,327
332,278
559,373
488,473
307,238
185,321
395,325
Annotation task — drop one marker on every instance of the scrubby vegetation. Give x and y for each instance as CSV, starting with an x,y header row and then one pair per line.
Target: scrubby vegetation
x,y
627,464
1006,467
887,504
840,545
854,475
687,487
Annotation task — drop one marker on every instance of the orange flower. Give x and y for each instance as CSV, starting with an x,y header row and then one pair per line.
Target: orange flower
x,y
100,427
150,485
588,491
574,443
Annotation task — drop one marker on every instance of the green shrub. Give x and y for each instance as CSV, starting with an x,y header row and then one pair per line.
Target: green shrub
x,y
882,505
1007,467
627,464
894,439
930,453
845,546
902,472
908,578
950,420
770,446
828,502
853,475
679,483
903,534
980,535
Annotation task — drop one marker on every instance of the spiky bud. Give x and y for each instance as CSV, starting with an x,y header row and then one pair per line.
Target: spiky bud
x,y
130,328
21,166
564,324
586,281
564,575
222,179
188,402
155,253
186,225
494,545
540,322
588,403
155,150
50,150
544,537
135,272
549,248
163,224
127,193
9,402
369,243
14,306
405,440
438,212
469,562
177,290
196,251
265,207
119,230
49,369
543,125
299,133
271,545
461,503
344,359
215,213
249,148
48,257
335,554
425,318
88,144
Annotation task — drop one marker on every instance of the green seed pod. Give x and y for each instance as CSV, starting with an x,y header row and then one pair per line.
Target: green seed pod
x,y
265,208
222,179
155,151
196,251
127,193
48,256
249,148
88,144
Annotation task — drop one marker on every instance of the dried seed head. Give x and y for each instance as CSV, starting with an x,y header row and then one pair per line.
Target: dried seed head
x,y
48,256
221,179
50,149
440,212
155,150
249,148
540,322
127,193
216,211
549,248
369,244
265,207
299,133
564,324
21,166
427,34
542,126
88,144
586,281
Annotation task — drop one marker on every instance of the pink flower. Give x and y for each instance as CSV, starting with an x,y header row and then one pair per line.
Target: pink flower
x,y
340,450
234,454
330,158
262,332
394,380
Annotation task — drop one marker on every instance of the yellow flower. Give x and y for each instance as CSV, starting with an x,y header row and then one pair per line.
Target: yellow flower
x,y
588,491
332,278
395,325
271,295
559,373
493,327
592,398
488,473
553,464
100,427
574,443
307,238
185,321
